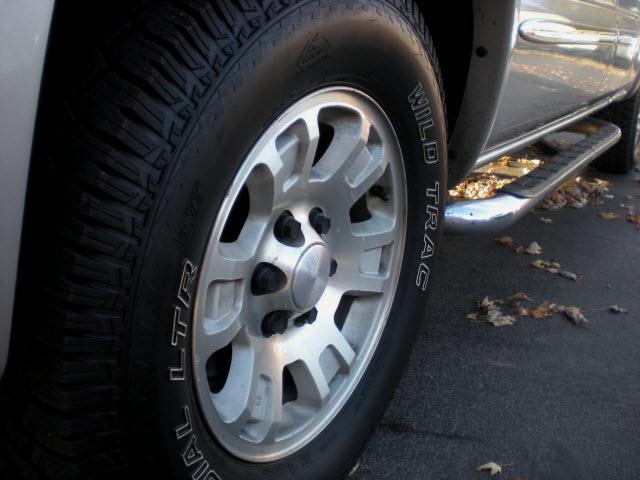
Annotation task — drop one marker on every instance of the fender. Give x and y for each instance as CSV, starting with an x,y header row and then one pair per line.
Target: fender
x,y
495,29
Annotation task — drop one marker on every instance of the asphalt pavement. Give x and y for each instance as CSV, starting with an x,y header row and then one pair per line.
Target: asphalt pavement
x,y
548,399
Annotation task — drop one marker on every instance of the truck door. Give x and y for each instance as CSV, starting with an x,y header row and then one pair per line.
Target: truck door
x,y
560,59
624,67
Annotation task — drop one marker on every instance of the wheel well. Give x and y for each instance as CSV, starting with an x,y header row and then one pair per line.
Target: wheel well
x,y
451,27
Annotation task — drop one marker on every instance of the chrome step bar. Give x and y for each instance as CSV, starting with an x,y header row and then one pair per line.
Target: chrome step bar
x,y
562,123
517,198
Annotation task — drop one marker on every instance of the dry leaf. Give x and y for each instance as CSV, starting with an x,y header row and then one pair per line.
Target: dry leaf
x,y
634,218
492,467
542,310
491,313
520,296
476,187
570,275
534,249
577,193
550,266
545,220
539,264
558,308
617,309
519,250
608,215
505,241
495,318
576,315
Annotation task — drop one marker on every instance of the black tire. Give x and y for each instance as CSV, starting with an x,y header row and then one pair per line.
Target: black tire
x,y
151,145
621,157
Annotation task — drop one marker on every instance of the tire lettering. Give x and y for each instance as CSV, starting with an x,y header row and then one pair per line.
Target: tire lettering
x,y
180,327
191,455
432,195
424,119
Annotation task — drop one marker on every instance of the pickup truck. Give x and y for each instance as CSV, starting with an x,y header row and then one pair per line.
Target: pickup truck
x,y
219,218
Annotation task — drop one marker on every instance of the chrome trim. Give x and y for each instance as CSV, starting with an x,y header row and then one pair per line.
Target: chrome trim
x,y
548,31
524,140
485,216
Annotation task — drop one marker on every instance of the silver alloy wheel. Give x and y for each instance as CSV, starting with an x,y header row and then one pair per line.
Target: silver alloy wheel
x,y
299,274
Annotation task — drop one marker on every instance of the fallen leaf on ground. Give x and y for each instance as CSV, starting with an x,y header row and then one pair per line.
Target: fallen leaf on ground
x,y
496,319
548,266
542,310
617,309
630,208
491,313
492,467
478,186
608,215
570,275
545,220
520,296
558,308
519,250
576,315
577,193
505,241
634,218
354,469
534,249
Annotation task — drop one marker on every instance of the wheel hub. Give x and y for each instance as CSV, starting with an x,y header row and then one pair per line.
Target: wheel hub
x,y
310,276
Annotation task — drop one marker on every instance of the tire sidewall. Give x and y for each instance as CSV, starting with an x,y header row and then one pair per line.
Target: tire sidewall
x,y
370,47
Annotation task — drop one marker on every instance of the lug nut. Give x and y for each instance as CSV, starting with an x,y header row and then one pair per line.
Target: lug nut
x,y
287,229
275,322
267,278
319,221
308,317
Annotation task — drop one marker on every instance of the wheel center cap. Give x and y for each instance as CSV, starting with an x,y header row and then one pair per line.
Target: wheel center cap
x,y
310,276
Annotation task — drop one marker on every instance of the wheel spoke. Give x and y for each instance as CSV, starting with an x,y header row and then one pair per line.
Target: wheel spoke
x,y
266,411
358,282
218,333
309,143
229,262
340,345
312,386
267,183
328,303
367,176
256,411
374,233
345,150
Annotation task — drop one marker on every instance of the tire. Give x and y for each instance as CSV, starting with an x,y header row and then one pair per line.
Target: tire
x,y
153,144
621,157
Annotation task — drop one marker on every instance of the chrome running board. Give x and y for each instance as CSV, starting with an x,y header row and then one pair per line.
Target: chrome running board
x,y
562,123
514,200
